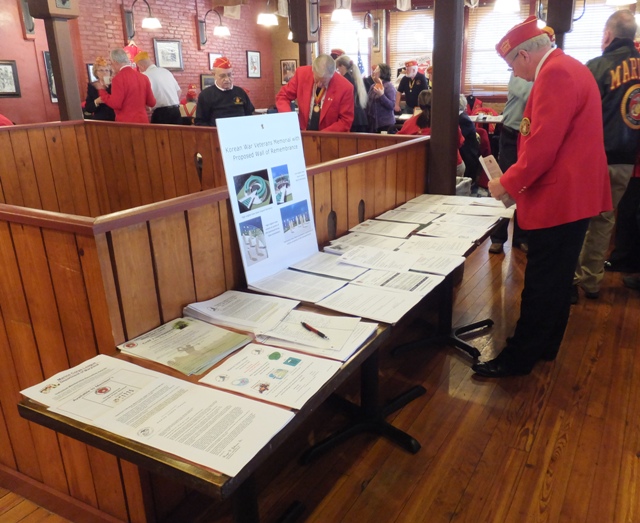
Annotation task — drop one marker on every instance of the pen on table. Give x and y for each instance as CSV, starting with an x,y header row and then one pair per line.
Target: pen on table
x,y
314,330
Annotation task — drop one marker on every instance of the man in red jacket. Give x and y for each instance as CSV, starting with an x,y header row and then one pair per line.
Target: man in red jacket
x,y
131,92
325,99
559,182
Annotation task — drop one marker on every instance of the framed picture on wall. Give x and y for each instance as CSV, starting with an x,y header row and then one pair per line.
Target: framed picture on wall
x,y
168,54
212,58
50,80
9,84
253,64
90,74
287,69
206,80
376,35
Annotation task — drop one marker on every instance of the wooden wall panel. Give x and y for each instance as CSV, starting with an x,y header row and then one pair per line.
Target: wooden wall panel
x,y
207,251
141,166
339,200
115,173
43,169
189,152
135,280
98,166
88,174
378,176
401,177
134,166
330,149
76,176
233,270
6,451
322,205
61,178
204,146
166,164
155,168
171,256
411,173
11,192
176,148
355,194
110,494
311,148
391,180
24,165
78,468
138,488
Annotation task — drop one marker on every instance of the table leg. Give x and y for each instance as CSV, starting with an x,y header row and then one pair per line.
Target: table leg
x,y
446,333
369,416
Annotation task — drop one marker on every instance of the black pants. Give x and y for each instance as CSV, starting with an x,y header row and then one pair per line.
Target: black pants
x,y
627,239
545,301
507,157
167,115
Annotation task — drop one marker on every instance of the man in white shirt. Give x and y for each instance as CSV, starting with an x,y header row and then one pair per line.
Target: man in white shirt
x,y
165,88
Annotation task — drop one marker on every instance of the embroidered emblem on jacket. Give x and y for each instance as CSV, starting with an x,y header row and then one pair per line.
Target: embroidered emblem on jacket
x,y
630,107
525,127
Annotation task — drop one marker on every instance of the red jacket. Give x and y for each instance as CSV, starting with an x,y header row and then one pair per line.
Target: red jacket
x,y
561,175
336,114
130,95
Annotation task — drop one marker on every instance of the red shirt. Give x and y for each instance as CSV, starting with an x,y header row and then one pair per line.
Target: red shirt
x,y
130,95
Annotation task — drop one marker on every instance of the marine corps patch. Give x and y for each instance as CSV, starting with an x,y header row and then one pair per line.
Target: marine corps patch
x,y
237,100
525,127
630,107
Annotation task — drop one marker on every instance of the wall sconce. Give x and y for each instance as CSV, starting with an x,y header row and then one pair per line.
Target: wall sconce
x,y
147,23
366,31
342,14
219,30
267,19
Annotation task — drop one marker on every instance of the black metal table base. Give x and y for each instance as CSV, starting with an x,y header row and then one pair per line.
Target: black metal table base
x,y
369,416
453,338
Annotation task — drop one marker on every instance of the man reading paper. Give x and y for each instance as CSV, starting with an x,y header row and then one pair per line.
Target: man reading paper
x,y
559,182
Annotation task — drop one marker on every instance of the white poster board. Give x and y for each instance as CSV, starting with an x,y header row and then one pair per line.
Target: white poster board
x,y
269,192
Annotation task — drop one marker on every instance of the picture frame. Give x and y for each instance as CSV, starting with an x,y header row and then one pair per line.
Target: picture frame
x,y
53,93
90,75
168,54
253,64
212,58
376,35
206,80
287,69
9,84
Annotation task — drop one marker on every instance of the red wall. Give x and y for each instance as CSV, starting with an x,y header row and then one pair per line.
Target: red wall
x,y
100,29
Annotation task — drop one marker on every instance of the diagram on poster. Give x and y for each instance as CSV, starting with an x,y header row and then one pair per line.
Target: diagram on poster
x,y
267,179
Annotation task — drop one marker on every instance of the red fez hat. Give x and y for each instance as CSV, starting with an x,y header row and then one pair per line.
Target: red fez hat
x,y
335,53
192,90
410,63
222,62
517,35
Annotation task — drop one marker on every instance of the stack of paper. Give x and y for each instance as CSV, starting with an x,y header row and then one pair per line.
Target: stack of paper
x,y
243,311
185,344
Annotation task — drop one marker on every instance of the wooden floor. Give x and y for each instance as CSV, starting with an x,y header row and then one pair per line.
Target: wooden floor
x,y
559,445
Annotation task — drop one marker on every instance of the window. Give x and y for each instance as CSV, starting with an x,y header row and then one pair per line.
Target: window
x,y
485,72
345,36
412,38
583,42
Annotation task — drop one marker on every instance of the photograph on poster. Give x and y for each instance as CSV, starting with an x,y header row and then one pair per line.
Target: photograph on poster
x,y
252,240
281,184
295,220
252,190
9,85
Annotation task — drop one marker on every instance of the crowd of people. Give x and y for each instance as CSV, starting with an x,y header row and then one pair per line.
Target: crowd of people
x,y
568,149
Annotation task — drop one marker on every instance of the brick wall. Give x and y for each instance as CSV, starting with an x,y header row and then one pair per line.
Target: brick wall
x,y
101,29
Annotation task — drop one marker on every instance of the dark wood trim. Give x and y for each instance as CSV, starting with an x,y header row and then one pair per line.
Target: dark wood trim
x,y
47,219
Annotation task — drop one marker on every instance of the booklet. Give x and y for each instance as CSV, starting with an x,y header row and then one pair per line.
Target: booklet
x,y
493,171
185,344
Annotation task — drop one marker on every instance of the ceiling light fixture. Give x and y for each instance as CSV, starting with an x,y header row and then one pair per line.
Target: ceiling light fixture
x,y
267,19
366,31
150,22
219,30
341,14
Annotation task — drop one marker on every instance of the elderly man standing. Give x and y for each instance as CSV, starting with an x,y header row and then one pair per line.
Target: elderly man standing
x,y
411,85
130,91
325,98
559,182
165,88
222,99
620,94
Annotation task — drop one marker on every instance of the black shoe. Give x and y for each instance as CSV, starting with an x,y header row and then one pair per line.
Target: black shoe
x,y
524,247
632,282
496,368
496,248
574,294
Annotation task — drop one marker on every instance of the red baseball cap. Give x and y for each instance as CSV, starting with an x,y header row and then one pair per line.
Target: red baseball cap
x,y
520,33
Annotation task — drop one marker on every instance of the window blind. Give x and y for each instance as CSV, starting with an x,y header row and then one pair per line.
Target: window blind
x,y
485,73
583,42
411,37
345,36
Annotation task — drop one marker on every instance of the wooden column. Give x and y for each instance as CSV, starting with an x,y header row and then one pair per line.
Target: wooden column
x,y
304,22
447,59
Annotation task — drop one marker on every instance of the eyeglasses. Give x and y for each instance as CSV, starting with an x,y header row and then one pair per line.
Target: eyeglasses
x,y
510,68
